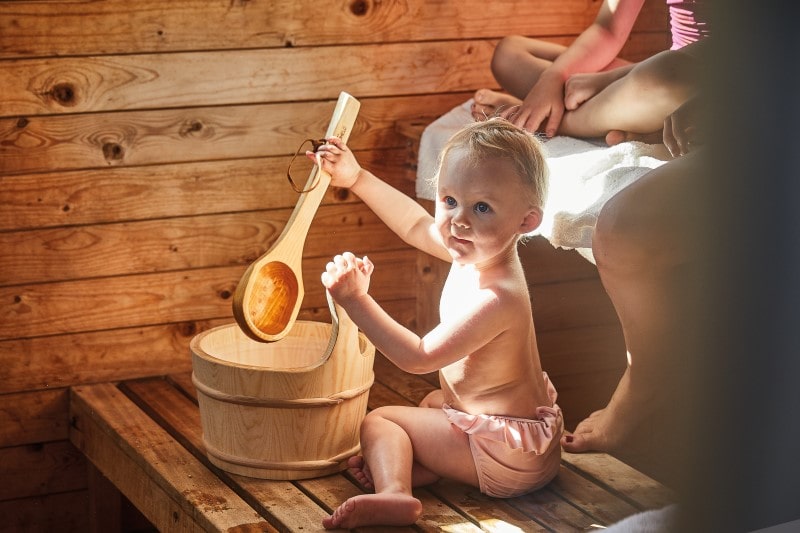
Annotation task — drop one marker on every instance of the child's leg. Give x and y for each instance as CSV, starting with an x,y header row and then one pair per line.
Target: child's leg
x,y
420,476
517,64
397,441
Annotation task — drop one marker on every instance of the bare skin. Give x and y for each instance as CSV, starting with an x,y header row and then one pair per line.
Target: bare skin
x,y
644,248
484,347
585,90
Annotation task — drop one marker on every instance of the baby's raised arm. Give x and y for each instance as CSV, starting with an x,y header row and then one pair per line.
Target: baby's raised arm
x,y
402,214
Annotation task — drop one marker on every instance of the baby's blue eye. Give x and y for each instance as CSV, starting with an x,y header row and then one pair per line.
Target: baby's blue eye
x,y
449,200
482,207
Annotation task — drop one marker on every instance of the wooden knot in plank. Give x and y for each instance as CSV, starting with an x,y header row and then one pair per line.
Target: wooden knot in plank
x,y
64,94
359,8
193,128
113,152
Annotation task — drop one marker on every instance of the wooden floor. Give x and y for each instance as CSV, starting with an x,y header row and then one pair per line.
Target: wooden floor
x,y
144,437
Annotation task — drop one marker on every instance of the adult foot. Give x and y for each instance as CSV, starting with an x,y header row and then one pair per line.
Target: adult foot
x,y
385,509
359,469
488,103
595,433
608,429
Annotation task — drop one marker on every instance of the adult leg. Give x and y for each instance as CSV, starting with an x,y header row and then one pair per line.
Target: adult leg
x,y
403,445
645,251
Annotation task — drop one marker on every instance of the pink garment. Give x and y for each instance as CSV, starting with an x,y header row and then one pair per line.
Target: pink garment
x,y
689,21
513,456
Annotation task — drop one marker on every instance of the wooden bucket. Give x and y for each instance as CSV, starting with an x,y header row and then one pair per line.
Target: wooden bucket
x,y
290,409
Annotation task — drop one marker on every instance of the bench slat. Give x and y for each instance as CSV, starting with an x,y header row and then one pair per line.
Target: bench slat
x,y
172,489
605,470
280,500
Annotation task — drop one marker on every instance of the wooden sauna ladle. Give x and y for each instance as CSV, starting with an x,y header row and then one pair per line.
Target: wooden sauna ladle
x,y
267,300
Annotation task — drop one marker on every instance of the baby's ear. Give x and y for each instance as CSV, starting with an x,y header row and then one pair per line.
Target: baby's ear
x,y
531,220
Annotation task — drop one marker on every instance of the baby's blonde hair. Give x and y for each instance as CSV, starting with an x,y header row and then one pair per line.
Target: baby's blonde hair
x,y
497,137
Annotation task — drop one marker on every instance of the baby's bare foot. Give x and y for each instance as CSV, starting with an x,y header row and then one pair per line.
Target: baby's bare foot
x,y
359,469
385,509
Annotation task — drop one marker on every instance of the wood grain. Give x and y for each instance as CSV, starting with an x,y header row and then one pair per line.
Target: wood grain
x,y
36,470
150,299
142,164
31,417
31,28
154,467
64,142
80,252
119,194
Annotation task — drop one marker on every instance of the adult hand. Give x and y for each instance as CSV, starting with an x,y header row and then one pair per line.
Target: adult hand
x,y
683,129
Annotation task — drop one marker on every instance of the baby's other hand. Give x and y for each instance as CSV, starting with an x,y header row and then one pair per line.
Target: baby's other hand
x,y
347,277
338,161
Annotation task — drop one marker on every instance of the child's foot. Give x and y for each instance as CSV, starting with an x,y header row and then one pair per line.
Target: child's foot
x,y
359,469
385,509
488,103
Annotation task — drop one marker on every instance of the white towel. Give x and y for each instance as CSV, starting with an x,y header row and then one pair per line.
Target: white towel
x,y
654,521
583,176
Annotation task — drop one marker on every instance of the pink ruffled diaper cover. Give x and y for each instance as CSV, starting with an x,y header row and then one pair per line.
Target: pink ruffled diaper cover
x,y
513,456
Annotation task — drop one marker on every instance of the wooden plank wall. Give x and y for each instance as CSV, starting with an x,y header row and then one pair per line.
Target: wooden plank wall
x,y
143,149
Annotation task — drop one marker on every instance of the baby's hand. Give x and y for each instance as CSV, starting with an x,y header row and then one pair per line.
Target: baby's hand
x,y
338,161
347,277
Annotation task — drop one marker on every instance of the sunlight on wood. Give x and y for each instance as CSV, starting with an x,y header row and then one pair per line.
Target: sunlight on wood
x,y
492,524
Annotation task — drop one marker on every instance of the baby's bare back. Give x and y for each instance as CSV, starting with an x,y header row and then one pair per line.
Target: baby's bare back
x,y
503,377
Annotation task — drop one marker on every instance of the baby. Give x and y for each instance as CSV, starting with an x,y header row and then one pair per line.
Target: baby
x,y
494,423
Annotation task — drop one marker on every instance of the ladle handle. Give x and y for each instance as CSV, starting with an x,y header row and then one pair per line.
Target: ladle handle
x,y
341,124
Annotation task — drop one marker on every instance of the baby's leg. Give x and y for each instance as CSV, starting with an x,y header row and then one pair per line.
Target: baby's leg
x,y
420,476
396,441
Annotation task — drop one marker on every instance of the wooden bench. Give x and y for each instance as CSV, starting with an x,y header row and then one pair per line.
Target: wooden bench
x,y
145,440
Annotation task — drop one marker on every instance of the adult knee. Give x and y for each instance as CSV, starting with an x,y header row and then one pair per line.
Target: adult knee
x,y
669,76
620,239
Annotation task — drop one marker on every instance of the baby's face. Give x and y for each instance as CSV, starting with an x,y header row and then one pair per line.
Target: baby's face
x,y
481,207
